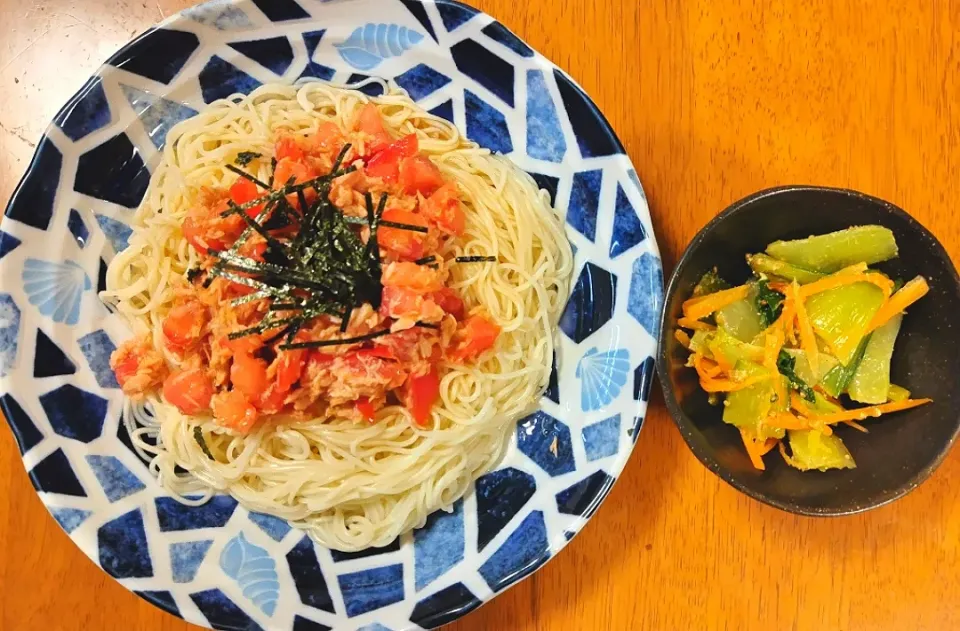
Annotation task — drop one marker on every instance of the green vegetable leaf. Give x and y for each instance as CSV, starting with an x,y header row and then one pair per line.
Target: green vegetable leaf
x,y
709,283
198,436
786,364
769,303
246,157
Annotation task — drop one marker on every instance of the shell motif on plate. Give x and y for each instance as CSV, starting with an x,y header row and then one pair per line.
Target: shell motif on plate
x,y
602,377
56,289
254,570
370,44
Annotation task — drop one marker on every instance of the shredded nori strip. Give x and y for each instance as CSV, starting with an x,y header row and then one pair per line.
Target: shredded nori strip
x,y
194,273
246,157
428,325
198,436
426,259
475,259
404,226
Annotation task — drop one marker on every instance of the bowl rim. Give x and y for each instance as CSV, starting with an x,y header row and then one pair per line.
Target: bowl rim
x,y
681,420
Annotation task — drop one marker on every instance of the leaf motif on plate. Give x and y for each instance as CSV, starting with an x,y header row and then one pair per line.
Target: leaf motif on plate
x,y
55,288
370,44
602,377
254,570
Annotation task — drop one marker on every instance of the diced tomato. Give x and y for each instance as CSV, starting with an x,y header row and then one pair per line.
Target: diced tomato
x,y
473,337
418,174
243,191
367,366
376,351
233,410
193,232
419,278
272,399
206,230
449,301
289,367
370,123
288,147
287,169
422,392
189,390
183,326
406,244
386,163
366,408
249,375
328,140
444,209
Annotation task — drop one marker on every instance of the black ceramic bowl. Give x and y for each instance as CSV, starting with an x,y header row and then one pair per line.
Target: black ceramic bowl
x,y
902,449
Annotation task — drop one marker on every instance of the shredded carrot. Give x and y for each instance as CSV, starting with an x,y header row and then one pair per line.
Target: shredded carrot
x,y
756,449
711,384
788,315
808,341
847,276
797,404
778,286
695,325
861,414
721,359
787,420
701,307
682,337
857,426
705,367
898,302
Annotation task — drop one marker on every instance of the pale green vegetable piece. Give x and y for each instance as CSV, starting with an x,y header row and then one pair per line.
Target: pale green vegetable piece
x,y
837,379
871,381
709,283
829,253
732,349
741,318
841,316
802,369
748,408
700,343
813,449
897,393
769,266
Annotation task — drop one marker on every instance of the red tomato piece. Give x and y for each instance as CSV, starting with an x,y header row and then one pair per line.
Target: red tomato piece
x,y
189,390
444,209
195,235
474,336
328,140
406,244
289,367
126,368
183,326
243,191
366,408
422,392
233,410
370,123
300,173
271,401
418,174
249,375
386,163
288,147
449,301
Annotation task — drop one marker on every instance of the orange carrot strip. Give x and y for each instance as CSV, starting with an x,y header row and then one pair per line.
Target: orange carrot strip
x,y
786,420
704,367
808,341
898,302
754,451
682,337
847,276
697,308
695,325
788,315
861,414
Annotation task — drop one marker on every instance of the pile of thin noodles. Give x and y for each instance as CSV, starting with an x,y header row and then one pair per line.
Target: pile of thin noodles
x,y
351,485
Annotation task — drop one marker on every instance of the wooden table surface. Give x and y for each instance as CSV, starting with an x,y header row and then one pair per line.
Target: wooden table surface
x,y
713,100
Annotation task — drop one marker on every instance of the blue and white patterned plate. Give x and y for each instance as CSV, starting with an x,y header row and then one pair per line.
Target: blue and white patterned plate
x,y
218,564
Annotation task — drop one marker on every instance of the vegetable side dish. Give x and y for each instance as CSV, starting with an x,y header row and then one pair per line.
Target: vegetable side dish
x,y
804,345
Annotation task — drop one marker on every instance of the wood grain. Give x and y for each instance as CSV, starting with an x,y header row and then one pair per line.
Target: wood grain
x,y
713,100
